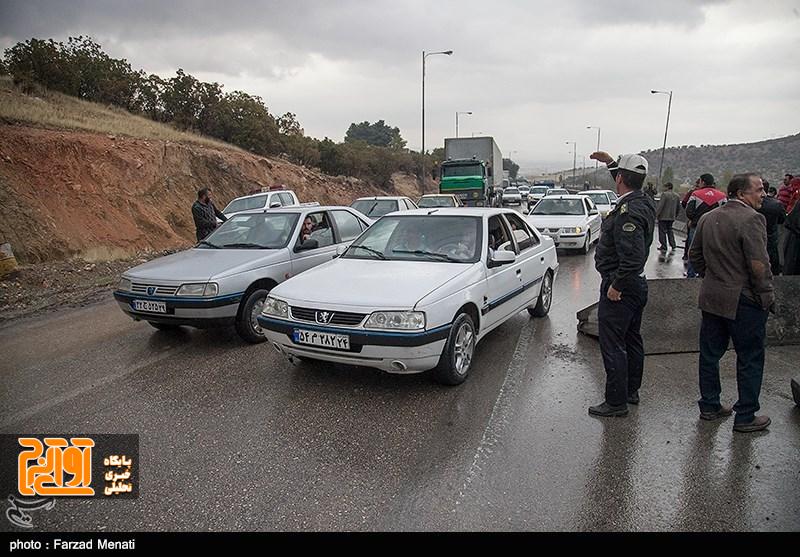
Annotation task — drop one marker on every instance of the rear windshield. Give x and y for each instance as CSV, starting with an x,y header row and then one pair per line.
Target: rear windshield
x,y
375,208
245,203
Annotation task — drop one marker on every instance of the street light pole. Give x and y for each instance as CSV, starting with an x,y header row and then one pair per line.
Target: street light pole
x,y
424,56
594,182
457,113
666,128
574,159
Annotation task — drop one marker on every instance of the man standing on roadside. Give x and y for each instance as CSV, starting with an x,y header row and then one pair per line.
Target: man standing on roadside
x,y
730,252
666,212
205,214
620,256
702,200
775,215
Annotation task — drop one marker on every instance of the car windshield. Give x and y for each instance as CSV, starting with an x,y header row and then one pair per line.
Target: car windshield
x,y
449,171
539,190
598,198
559,207
453,239
511,190
258,231
439,201
245,203
557,191
375,208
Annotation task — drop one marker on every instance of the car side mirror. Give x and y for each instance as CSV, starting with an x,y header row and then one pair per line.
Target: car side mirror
x,y
341,248
594,212
311,243
502,257
613,203
274,204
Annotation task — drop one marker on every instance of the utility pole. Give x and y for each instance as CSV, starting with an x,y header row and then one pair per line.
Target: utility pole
x,y
424,56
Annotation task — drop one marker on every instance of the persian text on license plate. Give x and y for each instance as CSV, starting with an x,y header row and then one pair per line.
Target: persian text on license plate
x,y
150,306
325,340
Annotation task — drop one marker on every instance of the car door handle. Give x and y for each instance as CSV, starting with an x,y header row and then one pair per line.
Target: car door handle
x,y
519,271
541,259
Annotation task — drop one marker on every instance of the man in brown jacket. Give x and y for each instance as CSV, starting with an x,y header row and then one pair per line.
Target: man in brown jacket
x,y
666,212
730,252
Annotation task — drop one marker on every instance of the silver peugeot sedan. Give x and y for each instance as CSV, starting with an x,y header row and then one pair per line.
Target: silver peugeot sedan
x,y
224,279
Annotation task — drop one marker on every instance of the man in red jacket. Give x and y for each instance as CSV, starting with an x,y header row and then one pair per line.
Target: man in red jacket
x,y
701,201
785,193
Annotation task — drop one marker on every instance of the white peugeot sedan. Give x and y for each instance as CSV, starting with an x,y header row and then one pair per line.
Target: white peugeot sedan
x,y
415,292
572,221
512,195
604,200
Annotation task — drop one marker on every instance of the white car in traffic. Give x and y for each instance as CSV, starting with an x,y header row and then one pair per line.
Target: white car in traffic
x,y
572,221
604,200
416,291
511,195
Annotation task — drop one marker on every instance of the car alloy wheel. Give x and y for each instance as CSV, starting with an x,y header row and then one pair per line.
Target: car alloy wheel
x,y
545,299
464,348
254,313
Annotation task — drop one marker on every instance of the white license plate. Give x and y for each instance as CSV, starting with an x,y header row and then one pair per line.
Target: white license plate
x,y
325,340
150,306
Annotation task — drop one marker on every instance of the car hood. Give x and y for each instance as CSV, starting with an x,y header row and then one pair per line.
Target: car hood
x,y
553,221
369,283
204,264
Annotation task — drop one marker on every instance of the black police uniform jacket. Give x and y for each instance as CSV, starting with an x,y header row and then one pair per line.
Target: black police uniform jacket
x,y
627,233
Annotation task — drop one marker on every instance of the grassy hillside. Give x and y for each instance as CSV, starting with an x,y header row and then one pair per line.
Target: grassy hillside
x,y
55,110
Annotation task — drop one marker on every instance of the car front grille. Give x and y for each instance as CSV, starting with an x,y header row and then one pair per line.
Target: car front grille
x,y
553,230
334,317
138,288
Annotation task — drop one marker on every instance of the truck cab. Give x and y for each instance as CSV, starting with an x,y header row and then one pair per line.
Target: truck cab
x,y
468,179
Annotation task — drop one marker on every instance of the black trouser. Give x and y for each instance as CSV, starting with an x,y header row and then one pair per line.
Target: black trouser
x,y
620,340
664,232
748,333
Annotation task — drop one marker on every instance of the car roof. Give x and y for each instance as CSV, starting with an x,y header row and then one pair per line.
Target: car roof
x,y
565,196
453,211
586,192
379,197
260,194
438,195
296,209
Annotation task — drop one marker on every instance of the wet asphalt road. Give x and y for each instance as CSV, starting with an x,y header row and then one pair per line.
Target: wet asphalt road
x,y
233,437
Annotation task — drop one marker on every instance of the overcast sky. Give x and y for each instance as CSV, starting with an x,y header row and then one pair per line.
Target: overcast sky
x,y
535,74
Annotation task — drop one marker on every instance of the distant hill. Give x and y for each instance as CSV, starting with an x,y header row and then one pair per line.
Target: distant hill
x,y
771,158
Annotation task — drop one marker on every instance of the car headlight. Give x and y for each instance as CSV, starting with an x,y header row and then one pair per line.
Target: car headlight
x,y
275,308
575,230
124,285
200,289
408,320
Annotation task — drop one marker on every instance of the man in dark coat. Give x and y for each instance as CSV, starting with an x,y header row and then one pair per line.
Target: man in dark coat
x,y
205,214
666,212
729,251
774,213
620,256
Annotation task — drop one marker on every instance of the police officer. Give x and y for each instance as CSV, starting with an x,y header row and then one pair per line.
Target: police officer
x,y
620,256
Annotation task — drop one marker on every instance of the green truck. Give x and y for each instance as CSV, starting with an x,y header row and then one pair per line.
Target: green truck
x,y
472,170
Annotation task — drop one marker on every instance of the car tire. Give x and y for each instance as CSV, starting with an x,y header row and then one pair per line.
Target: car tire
x,y
545,300
588,243
163,326
455,361
246,324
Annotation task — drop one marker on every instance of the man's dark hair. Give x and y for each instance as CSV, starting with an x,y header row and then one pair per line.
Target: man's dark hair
x,y
707,179
633,180
740,183
787,175
772,191
202,192
668,186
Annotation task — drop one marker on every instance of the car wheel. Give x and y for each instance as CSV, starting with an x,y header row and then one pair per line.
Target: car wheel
x,y
545,299
163,326
246,322
456,357
588,243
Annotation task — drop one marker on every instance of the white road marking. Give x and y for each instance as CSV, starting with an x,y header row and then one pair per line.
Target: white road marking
x,y
499,418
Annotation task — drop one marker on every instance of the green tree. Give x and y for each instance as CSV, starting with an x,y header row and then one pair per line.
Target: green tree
x,y
288,125
378,134
668,176
512,168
